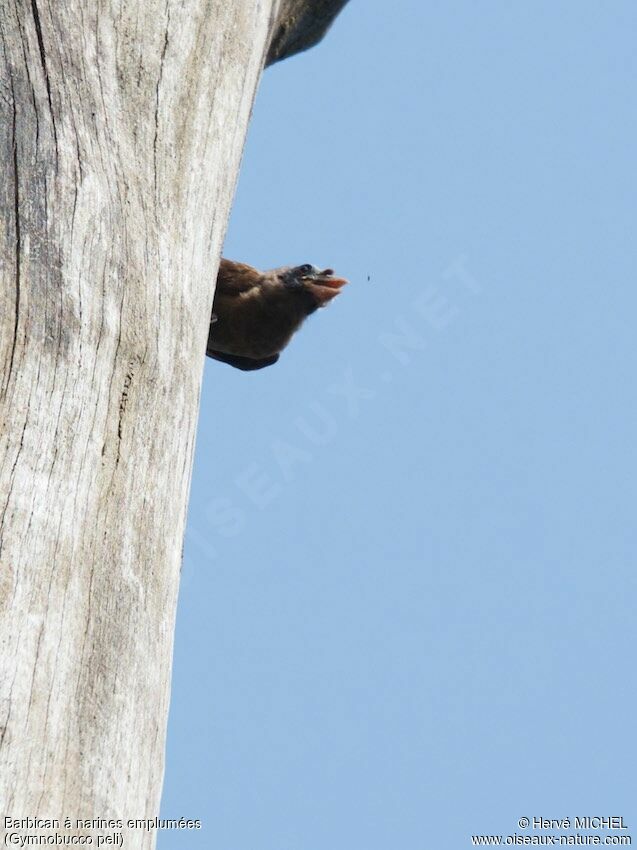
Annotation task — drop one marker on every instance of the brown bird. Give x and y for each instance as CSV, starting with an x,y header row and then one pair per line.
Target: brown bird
x,y
255,313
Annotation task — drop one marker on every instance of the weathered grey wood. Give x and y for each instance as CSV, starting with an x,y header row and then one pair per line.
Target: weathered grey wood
x,y
121,130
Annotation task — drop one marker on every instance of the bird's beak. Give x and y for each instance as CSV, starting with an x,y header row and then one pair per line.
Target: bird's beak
x,y
325,286
326,278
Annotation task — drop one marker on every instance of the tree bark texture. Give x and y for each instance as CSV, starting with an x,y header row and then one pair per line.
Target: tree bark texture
x,y
122,124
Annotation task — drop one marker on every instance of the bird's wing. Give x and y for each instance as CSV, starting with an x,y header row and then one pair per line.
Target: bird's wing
x,y
246,364
235,278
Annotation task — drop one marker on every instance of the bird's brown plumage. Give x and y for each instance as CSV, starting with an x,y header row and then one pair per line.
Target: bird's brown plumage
x,y
256,313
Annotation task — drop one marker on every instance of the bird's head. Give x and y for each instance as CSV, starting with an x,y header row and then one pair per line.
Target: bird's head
x,y
316,287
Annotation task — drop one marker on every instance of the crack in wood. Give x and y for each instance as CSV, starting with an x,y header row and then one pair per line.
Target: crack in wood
x,y
11,480
38,31
122,409
18,239
159,78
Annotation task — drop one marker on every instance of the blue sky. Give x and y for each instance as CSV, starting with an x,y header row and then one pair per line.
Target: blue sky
x,y
407,612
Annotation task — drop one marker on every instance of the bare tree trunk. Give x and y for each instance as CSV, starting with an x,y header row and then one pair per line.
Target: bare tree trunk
x,y
121,130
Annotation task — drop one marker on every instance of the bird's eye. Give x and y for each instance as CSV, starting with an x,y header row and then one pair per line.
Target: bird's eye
x,y
305,269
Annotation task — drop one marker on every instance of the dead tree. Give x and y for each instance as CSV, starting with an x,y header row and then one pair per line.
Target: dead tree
x,y
121,131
